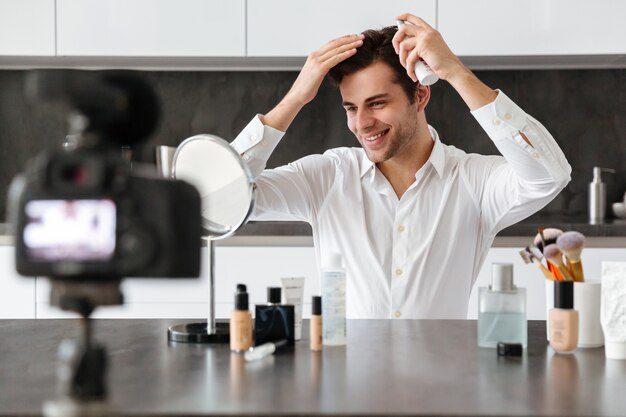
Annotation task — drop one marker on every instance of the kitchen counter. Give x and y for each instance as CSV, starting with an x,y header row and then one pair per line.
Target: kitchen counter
x,y
612,233
389,367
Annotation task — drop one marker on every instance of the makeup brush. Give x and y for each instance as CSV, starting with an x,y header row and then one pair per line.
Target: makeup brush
x,y
528,257
571,244
547,237
553,254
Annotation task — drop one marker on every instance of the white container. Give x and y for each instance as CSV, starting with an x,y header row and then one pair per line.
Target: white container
x,y
334,306
613,309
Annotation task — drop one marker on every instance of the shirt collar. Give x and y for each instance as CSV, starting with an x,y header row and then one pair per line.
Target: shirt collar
x,y
437,157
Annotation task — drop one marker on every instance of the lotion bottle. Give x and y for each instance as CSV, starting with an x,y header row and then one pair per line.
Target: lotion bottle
x,y
241,322
563,318
334,296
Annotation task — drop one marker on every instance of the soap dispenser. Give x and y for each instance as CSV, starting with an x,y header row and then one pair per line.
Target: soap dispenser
x,y
597,196
502,310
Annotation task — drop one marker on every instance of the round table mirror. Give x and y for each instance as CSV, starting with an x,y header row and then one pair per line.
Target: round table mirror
x,y
223,180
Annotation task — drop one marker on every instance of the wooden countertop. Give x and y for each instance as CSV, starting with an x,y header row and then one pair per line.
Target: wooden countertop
x,y
389,367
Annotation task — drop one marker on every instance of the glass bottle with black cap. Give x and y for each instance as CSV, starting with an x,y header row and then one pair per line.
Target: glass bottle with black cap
x,y
274,321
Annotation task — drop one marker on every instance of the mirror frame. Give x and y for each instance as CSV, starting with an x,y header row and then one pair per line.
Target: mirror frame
x,y
250,180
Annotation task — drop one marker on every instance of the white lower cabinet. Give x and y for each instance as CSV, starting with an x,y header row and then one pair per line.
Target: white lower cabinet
x,y
258,268
17,294
144,298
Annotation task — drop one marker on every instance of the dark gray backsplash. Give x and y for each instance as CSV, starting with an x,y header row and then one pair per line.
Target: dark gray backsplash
x,y
584,110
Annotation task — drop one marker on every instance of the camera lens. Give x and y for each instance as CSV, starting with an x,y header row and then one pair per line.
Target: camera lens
x,y
75,174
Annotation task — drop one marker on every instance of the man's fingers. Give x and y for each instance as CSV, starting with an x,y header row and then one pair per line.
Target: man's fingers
x,y
411,60
335,43
397,39
340,49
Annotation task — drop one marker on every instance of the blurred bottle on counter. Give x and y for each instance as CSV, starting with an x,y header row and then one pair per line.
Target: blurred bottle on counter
x,y
315,324
241,322
334,305
597,196
502,310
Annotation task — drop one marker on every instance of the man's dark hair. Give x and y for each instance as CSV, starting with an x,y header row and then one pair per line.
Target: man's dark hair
x,y
376,47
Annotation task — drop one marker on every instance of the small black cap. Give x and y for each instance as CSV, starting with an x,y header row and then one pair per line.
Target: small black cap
x,y
274,295
510,349
316,305
241,297
564,294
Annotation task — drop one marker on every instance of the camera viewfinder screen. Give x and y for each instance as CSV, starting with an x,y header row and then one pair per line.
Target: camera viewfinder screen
x,y
70,230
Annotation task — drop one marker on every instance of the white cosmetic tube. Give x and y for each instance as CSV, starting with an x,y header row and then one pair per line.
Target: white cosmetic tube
x,y
613,309
293,290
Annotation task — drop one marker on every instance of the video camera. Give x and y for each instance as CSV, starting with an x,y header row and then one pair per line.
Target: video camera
x,y
82,213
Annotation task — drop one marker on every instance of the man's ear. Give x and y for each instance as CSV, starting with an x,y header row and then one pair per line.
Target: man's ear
x,y
422,96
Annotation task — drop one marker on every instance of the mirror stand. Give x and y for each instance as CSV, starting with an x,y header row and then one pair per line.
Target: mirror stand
x,y
227,189
203,332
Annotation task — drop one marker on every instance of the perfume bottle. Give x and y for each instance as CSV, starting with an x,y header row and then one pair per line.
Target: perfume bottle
x,y
241,322
274,321
502,310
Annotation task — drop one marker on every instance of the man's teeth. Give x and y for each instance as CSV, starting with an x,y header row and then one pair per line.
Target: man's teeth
x,y
371,138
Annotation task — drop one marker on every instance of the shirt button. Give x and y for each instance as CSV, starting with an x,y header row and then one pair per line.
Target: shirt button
x,y
398,272
496,122
253,138
397,314
400,228
507,116
536,154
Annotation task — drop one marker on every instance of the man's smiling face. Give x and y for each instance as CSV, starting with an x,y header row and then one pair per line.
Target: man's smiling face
x,y
379,112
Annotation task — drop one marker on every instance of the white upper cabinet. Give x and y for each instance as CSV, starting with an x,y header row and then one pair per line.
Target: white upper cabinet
x,y
288,28
27,27
144,28
533,27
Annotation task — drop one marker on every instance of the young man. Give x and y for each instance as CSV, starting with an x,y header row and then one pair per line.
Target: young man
x,y
412,217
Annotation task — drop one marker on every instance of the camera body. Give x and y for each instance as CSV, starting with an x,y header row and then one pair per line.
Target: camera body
x,y
84,214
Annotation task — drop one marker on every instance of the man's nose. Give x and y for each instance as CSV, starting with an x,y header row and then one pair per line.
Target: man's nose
x,y
364,120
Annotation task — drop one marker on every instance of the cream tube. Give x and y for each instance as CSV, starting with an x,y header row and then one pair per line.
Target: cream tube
x,y
293,289
613,309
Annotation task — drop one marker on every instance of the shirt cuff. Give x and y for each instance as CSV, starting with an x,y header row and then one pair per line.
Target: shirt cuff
x,y
256,133
501,118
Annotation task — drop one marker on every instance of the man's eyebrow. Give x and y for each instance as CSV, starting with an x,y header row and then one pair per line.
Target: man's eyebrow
x,y
369,99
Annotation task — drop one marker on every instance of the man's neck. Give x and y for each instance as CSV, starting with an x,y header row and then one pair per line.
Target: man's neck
x,y
401,169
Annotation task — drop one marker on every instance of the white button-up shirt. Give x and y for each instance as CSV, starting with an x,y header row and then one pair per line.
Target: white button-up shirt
x,y
417,256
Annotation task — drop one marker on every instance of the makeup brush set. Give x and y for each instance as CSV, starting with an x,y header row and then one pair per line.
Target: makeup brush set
x,y
561,252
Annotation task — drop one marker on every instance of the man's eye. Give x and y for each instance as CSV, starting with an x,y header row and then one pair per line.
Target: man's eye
x,y
351,109
377,103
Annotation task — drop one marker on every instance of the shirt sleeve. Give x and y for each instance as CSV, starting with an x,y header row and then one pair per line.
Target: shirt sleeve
x,y
528,177
290,192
